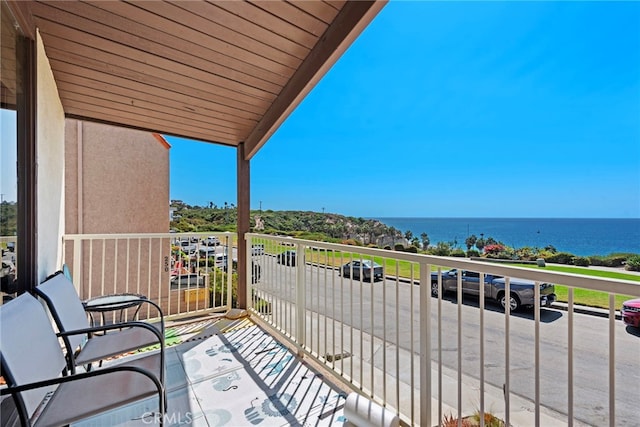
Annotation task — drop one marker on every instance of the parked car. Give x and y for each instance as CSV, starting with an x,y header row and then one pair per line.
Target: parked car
x,y
221,261
187,246
190,280
362,269
211,241
287,258
522,291
207,251
631,312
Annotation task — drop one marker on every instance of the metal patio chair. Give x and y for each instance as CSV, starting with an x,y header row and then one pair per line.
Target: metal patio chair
x,y
33,362
86,344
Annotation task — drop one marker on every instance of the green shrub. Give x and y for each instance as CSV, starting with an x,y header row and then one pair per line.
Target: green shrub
x,y
526,253
457,253
262,306
412,249
441,249
633,263
473,253
218,280
615,260
218,286
560,258
351,242
203,262
581,261
596,260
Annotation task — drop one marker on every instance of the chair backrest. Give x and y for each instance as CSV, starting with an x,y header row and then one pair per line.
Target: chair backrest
x,y
29,348
65,306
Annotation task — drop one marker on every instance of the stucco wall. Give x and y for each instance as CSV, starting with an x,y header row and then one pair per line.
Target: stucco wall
x,y
117,180
50,158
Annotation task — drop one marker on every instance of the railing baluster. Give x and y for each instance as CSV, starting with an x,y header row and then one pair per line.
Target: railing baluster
x,y
507,362
90,289
77,264
397,320
482,389
301,305
440,291
425,344
372,338
570,358
612,360
536,319
459,341
127,267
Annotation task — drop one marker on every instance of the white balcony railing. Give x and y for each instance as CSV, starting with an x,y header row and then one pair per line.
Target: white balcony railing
x,y
428,358
424,357
183,272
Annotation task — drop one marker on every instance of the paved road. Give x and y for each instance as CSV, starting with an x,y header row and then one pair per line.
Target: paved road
x,y
330,294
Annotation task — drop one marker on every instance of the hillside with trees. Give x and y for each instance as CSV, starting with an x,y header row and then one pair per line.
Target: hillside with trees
x,y
328,227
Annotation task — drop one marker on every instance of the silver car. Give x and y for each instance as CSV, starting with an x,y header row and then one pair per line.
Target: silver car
x,y
364,269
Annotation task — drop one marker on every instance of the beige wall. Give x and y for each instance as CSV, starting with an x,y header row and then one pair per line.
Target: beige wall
x,y
50,157
117,180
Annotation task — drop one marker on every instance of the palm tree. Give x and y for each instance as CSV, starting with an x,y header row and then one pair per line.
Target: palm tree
x,y
470,241
408,235
480,243
425,240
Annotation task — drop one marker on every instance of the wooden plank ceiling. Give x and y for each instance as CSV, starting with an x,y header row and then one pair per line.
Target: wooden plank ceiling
x,y
217,71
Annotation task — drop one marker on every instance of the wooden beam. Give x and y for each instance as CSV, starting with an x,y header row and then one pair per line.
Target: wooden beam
x,y
27,247
21,11
244,190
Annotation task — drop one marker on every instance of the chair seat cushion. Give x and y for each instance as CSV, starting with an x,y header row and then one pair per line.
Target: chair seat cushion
x,y
115,343
89,396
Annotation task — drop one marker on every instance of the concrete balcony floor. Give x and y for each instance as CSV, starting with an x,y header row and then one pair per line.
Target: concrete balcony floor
x,y
234,373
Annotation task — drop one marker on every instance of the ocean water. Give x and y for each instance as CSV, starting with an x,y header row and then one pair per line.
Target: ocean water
x,y
579,236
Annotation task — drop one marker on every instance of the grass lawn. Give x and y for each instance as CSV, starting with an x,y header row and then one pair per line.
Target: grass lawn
x,y
585,296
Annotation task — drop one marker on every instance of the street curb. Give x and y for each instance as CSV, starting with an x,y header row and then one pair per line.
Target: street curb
x,y
593,311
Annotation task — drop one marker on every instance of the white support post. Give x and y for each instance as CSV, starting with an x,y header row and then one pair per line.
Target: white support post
x,y
301,266
229,273
249,271
77,263
425,344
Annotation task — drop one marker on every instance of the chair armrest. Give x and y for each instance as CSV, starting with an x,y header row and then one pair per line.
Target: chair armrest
x,y
105,328
59,380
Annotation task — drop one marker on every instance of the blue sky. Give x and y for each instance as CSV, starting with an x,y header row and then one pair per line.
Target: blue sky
x,y
455,109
